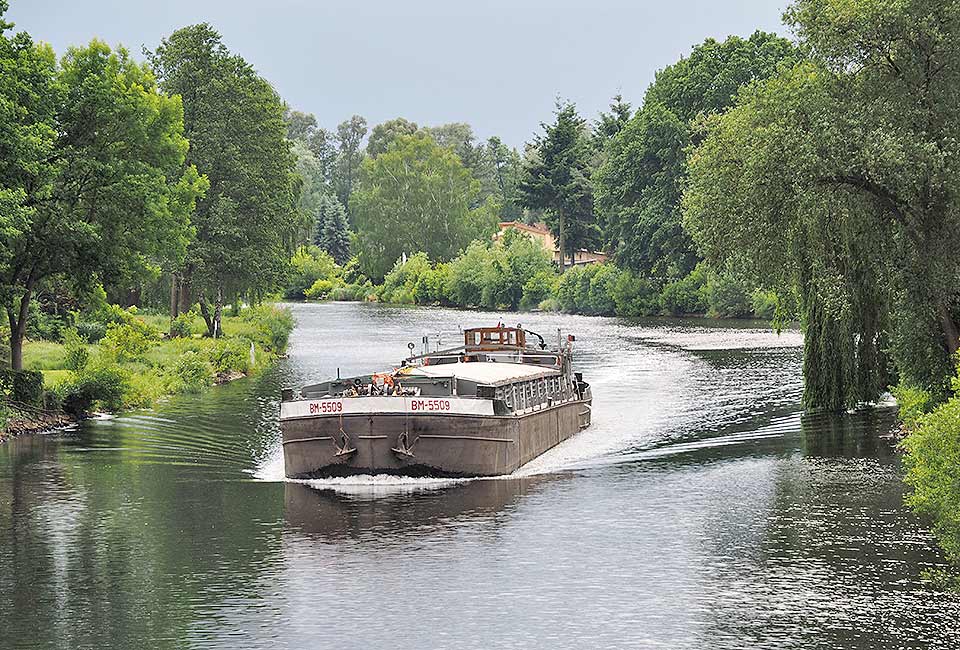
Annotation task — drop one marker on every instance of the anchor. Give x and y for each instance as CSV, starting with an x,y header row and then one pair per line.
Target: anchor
x,y
403,447
345,449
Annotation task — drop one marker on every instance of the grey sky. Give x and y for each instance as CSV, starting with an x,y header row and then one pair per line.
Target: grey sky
x,y
496,64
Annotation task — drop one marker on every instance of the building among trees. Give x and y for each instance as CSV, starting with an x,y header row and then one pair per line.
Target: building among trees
x,y
540,233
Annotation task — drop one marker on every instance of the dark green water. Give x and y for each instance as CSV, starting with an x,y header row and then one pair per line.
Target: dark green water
x,y
700,511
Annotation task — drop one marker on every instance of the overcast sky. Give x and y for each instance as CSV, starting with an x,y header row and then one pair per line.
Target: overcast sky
x,y
496,64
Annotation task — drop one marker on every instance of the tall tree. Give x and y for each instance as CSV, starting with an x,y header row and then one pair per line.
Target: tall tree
x,y
300,126
557,179
313,189
350,135
415,197
505,166
386,133
248,222
94,186
640,180
612,123
331,231
838,178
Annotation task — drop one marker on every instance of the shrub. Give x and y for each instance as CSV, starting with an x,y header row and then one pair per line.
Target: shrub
x,y
272,325
319,290
97,385
23,386
91,331
182,325
635,296
143,389
764,304
913,403
465,276
76,353
191,373
550,304
687,295
933,470
400,282
129,341
308,265
727,297
230,355
540,287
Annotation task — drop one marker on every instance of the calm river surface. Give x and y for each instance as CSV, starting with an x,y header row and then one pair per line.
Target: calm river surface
x,y
699,511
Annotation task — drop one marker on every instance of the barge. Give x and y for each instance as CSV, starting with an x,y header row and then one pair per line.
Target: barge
x,y
484,408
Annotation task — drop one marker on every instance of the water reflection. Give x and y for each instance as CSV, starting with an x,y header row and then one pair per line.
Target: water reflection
x,y
369,512
700,510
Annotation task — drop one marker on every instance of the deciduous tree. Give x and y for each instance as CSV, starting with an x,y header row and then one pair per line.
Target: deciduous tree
x,y
415,197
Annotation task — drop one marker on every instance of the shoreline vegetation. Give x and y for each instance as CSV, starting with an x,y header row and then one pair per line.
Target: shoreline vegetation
x,y
515,274
789,179
112,359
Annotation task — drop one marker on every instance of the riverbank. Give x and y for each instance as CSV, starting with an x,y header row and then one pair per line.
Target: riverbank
x,y
135,361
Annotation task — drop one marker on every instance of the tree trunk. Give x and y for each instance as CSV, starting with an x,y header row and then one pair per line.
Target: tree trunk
x,y
217,314
18,328
185,297
174,295
951,333
205,312
563,242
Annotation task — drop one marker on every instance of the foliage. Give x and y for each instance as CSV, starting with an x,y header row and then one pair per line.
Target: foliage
x,y
92,182
349,157
384,135
727,297
190,373
129,341
272,325
230,355
933,466
556,178
834,180
415,197
332,234
95,386
308,265
541,286
22,386
912,403
182,325
687,295
76,353
247,224
634,295
639,184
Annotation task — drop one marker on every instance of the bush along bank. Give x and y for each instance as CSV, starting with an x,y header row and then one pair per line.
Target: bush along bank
x,y
932,460
515,273
113,359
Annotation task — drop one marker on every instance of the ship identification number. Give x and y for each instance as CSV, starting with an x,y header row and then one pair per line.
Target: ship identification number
x,y
325,407
429,405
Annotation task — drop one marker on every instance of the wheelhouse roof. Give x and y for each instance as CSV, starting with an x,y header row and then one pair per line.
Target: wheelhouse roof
x,y
484,372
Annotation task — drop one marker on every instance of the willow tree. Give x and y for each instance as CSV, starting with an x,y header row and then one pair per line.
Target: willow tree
x,y
839,178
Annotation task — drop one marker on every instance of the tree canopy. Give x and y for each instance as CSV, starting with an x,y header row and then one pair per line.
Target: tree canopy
x,y
837,179
414,197
93,179
640,183
247,224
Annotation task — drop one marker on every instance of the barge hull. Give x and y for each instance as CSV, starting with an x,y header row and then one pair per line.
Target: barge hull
x,y
426,444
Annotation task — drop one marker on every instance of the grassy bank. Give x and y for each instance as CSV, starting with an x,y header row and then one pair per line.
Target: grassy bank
x,y
121,359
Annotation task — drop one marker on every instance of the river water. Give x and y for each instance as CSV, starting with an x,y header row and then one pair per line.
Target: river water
x,y
701,510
